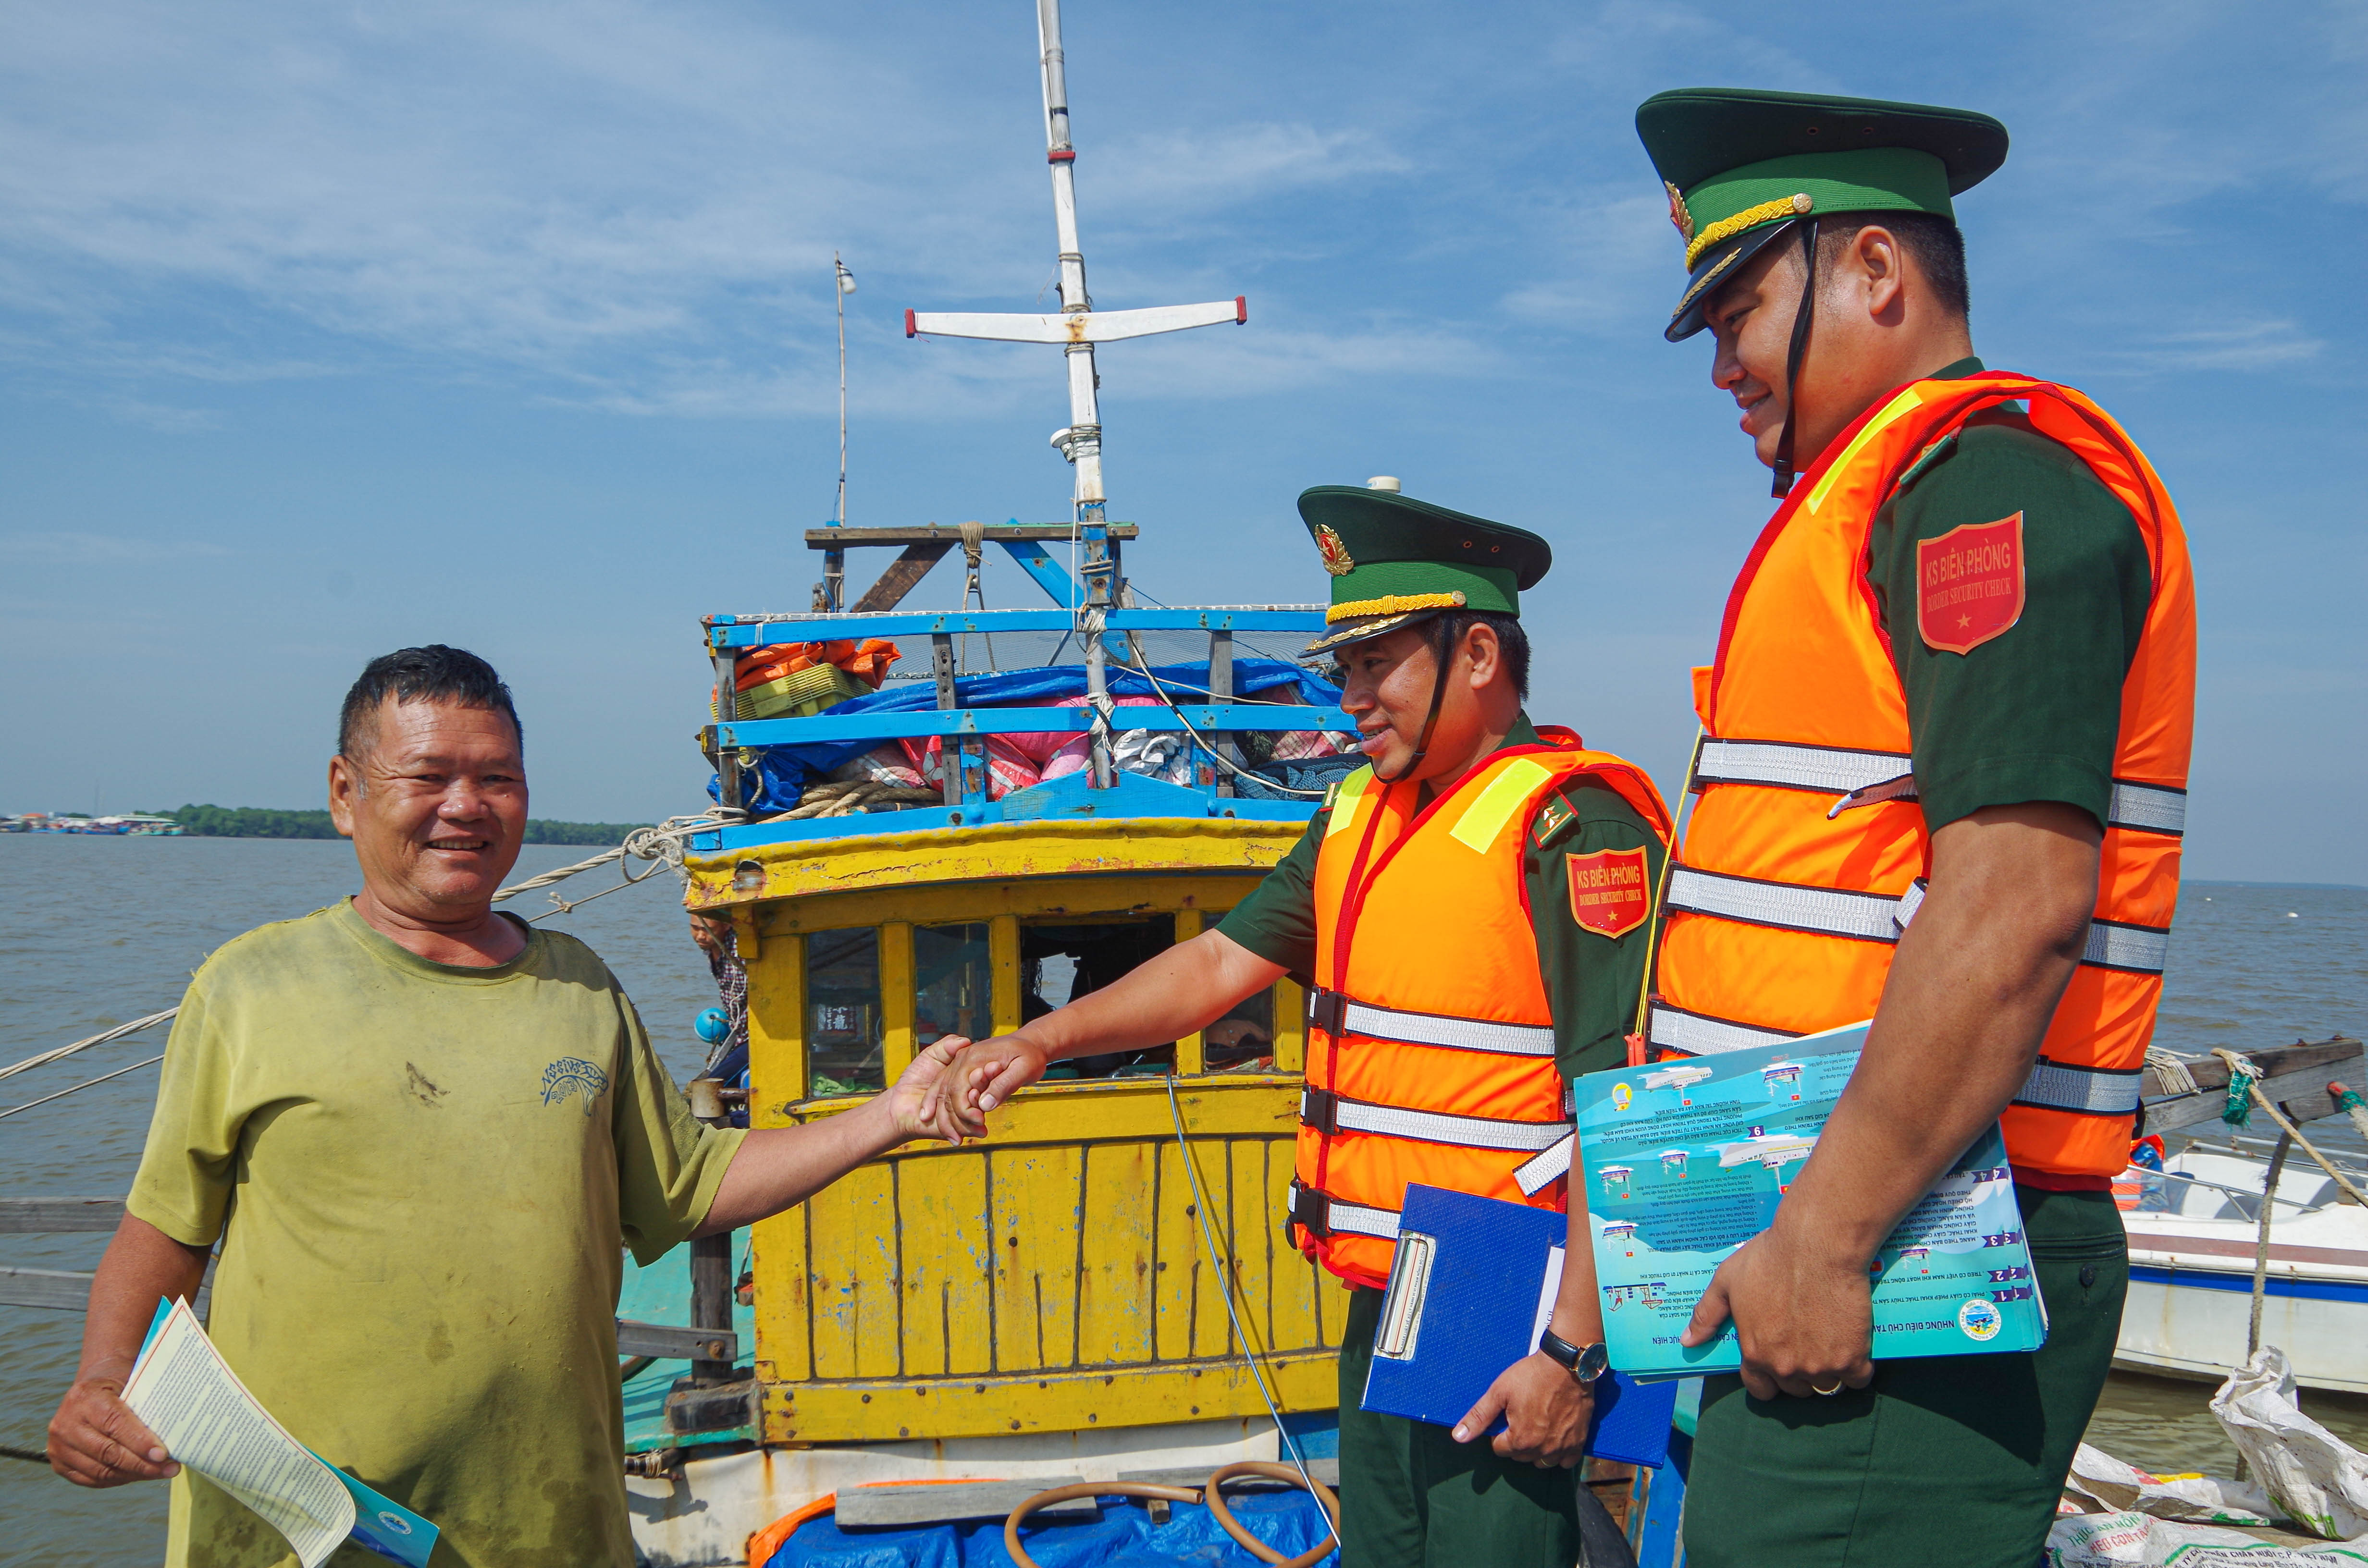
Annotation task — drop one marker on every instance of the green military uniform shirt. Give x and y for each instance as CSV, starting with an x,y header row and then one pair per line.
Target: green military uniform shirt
x,y
1591,980
2033,714
422,1176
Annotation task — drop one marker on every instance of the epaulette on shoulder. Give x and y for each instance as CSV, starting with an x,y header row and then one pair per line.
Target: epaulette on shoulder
x,y
1926,460
1553,817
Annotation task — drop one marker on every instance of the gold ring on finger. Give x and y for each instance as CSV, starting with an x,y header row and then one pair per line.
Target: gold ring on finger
x,y
1826,1393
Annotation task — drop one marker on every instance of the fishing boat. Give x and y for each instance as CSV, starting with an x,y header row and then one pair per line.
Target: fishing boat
x,y
2198,1236
1056,794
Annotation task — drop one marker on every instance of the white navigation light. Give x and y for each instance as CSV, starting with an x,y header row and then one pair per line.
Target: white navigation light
x,y
1388,481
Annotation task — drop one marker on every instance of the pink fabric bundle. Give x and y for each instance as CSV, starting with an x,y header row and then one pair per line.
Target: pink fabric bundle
x,y
1015,761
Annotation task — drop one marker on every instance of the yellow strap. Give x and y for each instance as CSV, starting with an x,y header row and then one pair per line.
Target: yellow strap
x,y
1485,817
1908,402
1345,796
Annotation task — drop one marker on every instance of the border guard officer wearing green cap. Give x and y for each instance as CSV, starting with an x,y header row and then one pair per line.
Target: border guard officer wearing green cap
x,y
1954,683
1469,824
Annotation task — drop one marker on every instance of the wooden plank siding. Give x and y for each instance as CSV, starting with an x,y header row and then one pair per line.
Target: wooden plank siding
x,y
1057,1274
1065,1259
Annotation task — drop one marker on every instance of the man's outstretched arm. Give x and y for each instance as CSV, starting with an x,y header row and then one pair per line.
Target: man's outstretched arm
x,y
1186,988
1969,996
95,1440
777,1167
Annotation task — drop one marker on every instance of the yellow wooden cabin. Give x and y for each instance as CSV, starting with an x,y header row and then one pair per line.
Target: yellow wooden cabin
x,y
1058,1276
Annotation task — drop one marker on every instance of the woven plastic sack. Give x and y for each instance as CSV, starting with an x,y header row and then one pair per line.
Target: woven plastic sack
x,y
2121,1541
2103,1485
2318,1478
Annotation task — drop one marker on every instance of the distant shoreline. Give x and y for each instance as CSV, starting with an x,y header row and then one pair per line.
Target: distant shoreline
x,y
267,822
2231,882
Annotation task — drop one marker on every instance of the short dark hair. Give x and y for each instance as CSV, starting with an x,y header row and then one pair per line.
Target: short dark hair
x,y
1936,243
432,673
1510,638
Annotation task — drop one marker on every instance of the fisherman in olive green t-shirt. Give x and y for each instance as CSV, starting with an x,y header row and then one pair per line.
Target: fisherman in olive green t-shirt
x,y
431,1166
422,1133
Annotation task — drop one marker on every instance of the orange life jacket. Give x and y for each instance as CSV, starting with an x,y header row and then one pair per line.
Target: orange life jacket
x,y
1430,1047
1804,857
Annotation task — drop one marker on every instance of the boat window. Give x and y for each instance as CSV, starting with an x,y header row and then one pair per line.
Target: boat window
x,y
1245,1036
843,1024
1060,962
950,982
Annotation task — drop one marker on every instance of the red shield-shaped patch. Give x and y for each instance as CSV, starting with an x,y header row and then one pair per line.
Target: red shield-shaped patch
x,y
1610,893
1969,585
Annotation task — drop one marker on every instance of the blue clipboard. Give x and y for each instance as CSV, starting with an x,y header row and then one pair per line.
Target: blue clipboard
x,y
1466,1293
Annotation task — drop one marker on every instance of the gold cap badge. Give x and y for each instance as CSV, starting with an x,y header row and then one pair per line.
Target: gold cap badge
x,y
1678,213
1337,559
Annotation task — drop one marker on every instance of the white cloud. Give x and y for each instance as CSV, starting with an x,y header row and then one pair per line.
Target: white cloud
x,y
637,203
2247,346
71,548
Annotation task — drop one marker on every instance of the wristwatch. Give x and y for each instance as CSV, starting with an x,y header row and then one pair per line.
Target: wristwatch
x,y
1585,1362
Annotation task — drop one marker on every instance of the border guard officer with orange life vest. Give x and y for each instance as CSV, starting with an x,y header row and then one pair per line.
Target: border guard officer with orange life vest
x,y
1472,912
1941,784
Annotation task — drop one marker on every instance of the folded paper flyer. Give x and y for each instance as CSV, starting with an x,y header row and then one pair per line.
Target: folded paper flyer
x,y
1686,1160
188,1396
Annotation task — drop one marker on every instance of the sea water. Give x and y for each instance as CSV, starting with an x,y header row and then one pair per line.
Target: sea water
x,y
96,931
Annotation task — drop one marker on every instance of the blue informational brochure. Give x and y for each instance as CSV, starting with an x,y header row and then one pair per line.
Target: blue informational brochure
x,y
1685,1160
380,1525
1474,1284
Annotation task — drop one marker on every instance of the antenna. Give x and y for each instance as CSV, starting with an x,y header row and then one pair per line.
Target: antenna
x,y
846,286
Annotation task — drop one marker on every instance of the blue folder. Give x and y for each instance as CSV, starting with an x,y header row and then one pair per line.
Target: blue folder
x,y
1462,1305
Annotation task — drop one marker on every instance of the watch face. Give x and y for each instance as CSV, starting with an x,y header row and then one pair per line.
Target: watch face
x,y
1593,1362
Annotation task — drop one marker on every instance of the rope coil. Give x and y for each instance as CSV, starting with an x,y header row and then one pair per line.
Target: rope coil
x,y
1212,1497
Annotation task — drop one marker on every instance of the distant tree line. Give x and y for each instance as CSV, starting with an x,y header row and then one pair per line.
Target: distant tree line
x,y
261,822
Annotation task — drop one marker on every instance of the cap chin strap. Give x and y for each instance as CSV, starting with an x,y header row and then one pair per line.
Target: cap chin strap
x,y
1440,646
1792,357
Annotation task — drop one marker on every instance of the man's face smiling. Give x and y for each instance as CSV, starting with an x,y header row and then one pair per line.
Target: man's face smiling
x,y
436,805
1752,319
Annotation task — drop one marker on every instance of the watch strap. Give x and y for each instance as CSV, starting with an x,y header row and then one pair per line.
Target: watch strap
x,y
1584,1361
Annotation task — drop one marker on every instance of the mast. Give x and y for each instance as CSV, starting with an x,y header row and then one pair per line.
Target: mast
x,y
1076,329
1083,442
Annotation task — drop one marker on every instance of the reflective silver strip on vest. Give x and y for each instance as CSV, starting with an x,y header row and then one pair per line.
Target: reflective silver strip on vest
x,y
2090,1091
1829,912
1697,1034
2149,808
1360,1220
2142,949
2143,808
1829,770
1434,1127
1872,917
1438,1029
1535,1175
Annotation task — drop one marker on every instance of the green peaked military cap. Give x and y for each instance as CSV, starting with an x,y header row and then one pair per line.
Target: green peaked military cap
x,y
1741,166
1394,560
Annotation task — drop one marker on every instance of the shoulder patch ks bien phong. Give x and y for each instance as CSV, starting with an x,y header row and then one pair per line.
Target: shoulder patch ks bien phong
x,y
1610,893
1969,585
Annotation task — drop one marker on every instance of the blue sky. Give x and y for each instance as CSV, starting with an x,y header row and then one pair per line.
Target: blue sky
x,y
329,328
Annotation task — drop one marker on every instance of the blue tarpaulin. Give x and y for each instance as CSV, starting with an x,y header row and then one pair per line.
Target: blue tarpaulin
x,y
782,772
1123,1537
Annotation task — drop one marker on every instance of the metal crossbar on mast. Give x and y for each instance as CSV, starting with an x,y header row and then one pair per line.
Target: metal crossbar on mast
x,y
1076,329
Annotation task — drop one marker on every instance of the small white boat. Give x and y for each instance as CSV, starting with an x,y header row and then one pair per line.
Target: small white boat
x,y
2192,1237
